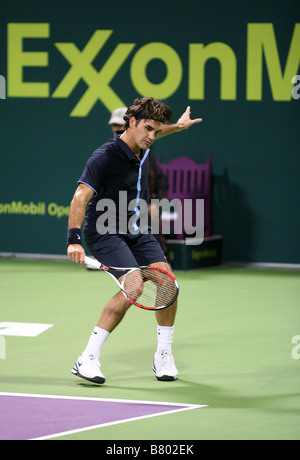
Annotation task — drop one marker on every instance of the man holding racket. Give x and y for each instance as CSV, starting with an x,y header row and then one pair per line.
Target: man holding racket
x,y
122,165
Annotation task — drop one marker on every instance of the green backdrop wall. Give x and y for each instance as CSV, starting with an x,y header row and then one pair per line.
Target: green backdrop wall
x,y
66,65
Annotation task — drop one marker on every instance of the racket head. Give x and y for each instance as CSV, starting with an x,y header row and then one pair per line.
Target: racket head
x,y
150,288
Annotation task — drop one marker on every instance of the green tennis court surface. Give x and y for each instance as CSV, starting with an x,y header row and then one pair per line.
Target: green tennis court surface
x,y
236,349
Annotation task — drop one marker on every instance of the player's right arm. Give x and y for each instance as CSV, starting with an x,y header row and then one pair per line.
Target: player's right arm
x,y
81,197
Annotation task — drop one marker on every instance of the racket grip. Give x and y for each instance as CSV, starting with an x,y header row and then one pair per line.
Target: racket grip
x,y
92,262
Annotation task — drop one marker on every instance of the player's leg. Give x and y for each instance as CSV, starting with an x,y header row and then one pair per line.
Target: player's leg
x,y
110,251
166,317
113,312
163,363
147,251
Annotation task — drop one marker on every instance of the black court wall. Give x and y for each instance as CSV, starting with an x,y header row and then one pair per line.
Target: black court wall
x,y
65,65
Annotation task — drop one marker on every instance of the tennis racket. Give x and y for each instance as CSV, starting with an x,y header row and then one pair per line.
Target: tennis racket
x,y
150,288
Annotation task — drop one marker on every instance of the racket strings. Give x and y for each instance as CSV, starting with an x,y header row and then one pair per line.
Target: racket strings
x,y
150,288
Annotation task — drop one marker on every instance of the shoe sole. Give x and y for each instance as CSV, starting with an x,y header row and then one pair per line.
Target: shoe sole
x,y
98,380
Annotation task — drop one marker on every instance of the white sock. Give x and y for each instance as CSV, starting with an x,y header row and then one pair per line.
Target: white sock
x,y
164,338
96,341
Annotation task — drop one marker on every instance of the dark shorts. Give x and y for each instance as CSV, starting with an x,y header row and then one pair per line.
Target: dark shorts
x,y
125,251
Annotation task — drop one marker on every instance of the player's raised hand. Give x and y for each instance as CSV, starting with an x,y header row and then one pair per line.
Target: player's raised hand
x,y
185,121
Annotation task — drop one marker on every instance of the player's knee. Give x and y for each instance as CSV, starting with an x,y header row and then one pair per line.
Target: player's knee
x,y
133,285
138,288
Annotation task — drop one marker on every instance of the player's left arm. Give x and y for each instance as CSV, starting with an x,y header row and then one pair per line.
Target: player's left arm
x,y
184,122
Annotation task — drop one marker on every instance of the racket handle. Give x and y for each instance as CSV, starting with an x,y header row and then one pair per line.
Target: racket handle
x,y
92,262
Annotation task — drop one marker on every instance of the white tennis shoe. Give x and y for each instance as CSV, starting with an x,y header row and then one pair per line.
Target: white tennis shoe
x,y
88,368
164,366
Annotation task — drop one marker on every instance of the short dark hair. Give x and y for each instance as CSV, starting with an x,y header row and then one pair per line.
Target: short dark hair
x,y
148,108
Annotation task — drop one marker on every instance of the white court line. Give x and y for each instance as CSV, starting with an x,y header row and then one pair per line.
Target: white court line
x,y
181,408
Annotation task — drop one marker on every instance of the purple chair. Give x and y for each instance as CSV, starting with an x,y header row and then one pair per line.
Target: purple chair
x,y
188,179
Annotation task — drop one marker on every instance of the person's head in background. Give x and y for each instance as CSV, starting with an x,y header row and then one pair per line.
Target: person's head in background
x,y
116,121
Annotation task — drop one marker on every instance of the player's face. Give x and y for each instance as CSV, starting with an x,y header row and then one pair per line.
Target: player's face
x,y
145,132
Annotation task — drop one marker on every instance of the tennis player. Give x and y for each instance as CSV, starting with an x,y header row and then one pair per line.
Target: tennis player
x,y
122,165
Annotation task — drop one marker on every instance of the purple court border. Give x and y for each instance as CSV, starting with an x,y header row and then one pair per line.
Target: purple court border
x,y
39,417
